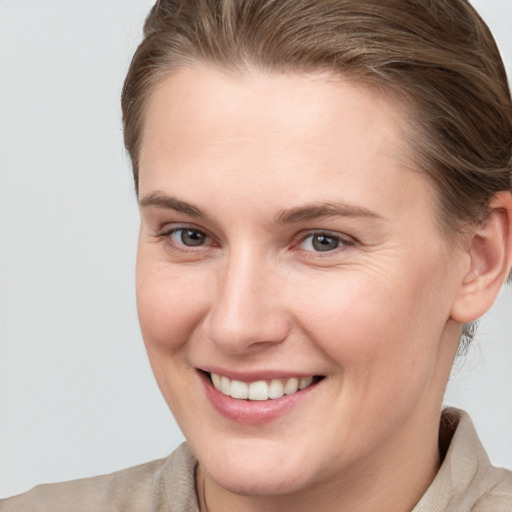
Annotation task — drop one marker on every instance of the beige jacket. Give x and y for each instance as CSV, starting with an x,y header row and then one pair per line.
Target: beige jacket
x,y
466,482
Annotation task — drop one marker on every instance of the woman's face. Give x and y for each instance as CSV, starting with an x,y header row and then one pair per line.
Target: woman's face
x,y
286,241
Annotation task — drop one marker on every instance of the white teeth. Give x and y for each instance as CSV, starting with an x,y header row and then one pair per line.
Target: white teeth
x,y
216,380
260,390
291,386
239,389
225,385
305,382
275,390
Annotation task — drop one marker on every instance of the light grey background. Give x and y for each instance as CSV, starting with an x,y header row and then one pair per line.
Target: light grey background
x,y
77,397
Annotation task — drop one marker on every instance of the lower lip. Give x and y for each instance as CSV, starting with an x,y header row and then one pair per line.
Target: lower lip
x,y
253,412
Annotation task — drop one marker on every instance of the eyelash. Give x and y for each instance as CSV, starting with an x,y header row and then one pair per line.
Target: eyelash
x,y
342,242
167,237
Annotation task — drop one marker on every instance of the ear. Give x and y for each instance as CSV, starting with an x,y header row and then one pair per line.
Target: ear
x,y
490,260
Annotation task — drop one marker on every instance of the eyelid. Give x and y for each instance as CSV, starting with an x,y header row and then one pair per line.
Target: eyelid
x,y
167,231
170,227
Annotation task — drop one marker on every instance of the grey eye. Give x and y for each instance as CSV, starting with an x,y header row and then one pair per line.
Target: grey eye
x,y
321,242
189,237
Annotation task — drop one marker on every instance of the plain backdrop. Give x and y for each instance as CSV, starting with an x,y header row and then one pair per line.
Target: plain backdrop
x,y
77,396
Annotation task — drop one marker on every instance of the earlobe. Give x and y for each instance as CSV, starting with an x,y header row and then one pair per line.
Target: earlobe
x,y
490,256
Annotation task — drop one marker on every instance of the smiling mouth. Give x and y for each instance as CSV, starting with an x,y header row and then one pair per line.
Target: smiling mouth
x,y
261,389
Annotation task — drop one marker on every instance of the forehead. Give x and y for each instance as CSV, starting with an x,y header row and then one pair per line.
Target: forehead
x,y
319,132
208,95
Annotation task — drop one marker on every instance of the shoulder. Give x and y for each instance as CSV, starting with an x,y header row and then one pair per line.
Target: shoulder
x,y
128,490
137,489
498,496
477,484
466,481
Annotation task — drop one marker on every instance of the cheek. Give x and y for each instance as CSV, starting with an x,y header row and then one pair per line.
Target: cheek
x,y
170,304
383,347
375,323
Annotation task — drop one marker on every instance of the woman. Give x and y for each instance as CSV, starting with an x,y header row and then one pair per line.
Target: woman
x,y
326,208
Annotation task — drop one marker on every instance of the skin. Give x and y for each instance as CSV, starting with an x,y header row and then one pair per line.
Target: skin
x,y
374,316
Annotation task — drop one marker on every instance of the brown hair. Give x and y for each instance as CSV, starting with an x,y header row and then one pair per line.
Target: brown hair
x,y
437,55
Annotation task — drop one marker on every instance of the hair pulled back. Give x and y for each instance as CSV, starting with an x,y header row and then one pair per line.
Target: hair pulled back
x,y
436,55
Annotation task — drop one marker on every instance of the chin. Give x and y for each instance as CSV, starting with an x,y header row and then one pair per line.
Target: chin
x,y
259,469
260,483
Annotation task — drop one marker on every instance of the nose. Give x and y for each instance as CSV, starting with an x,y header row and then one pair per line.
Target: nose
x,y
248,311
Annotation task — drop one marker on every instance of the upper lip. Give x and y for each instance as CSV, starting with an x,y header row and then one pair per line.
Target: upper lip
x,y
256,375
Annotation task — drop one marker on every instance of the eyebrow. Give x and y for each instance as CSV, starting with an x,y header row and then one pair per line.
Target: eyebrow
x,y
317,211
159,200
290,216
